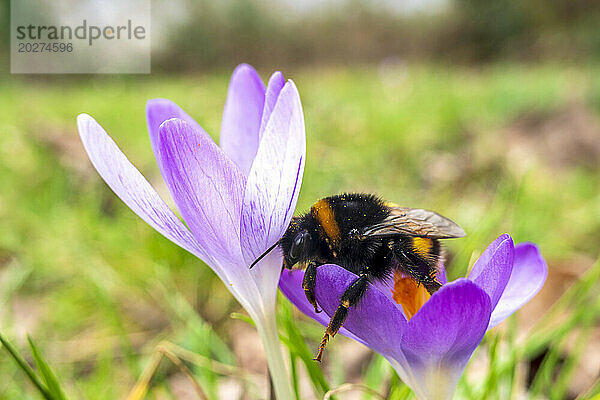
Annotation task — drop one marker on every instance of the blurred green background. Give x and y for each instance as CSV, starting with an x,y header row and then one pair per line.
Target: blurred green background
x,y
488,112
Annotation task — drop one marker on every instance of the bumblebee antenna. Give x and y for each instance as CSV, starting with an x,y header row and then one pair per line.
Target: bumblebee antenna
x,y
264,254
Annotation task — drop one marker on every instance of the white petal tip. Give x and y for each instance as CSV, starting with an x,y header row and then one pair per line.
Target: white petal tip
x,y
243,67
159,102
170,122
87,126
84,118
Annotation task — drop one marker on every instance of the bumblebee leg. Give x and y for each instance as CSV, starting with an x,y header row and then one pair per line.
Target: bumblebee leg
x,y
419,269
431,284
308,284
350,297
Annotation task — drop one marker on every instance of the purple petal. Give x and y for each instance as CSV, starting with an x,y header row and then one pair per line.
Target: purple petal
x,y
157,112
441,337
276,83
492,270
275,178
290,284
135,191
206,186
528,276
386,287
242,116
376,321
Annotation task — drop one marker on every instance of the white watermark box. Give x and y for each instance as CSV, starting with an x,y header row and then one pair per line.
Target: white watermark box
x,y
80,36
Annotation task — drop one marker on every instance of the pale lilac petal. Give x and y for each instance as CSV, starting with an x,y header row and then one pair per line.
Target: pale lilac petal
x,y
442,336
242,116
157,112
127,183
275,178
528,276
206,186
276,83
492,270
265,275
375,321
441,275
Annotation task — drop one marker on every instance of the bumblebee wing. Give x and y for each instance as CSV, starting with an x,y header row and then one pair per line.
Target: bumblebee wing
x,y
415,222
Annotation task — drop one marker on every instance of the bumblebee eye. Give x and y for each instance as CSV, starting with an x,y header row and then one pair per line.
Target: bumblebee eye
x,y
298,245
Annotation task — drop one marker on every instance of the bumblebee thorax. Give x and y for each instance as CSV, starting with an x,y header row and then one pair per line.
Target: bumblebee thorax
x,y
329,230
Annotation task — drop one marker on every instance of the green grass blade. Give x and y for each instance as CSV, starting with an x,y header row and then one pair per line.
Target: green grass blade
x,y
510,372
491,384
295,343
398,390
243,317
199,335
577,298
35,380
375,374
561,385
47,374
593,393
294,373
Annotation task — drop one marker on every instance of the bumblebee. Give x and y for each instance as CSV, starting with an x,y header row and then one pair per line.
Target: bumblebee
x,y
368,237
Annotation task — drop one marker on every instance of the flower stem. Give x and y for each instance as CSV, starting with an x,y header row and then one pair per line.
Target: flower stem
x,y
267,330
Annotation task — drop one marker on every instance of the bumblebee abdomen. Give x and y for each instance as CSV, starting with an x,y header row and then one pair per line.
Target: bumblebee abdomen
x,y
421,257
425,247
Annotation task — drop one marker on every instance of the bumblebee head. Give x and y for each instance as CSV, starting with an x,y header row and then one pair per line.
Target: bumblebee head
x,y
297,249
297,244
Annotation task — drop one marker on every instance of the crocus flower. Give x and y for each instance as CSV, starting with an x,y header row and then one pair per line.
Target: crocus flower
x,y
429,339
236,199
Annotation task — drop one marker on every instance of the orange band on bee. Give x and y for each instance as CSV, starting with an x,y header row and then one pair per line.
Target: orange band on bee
x,y
410,294
324,215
